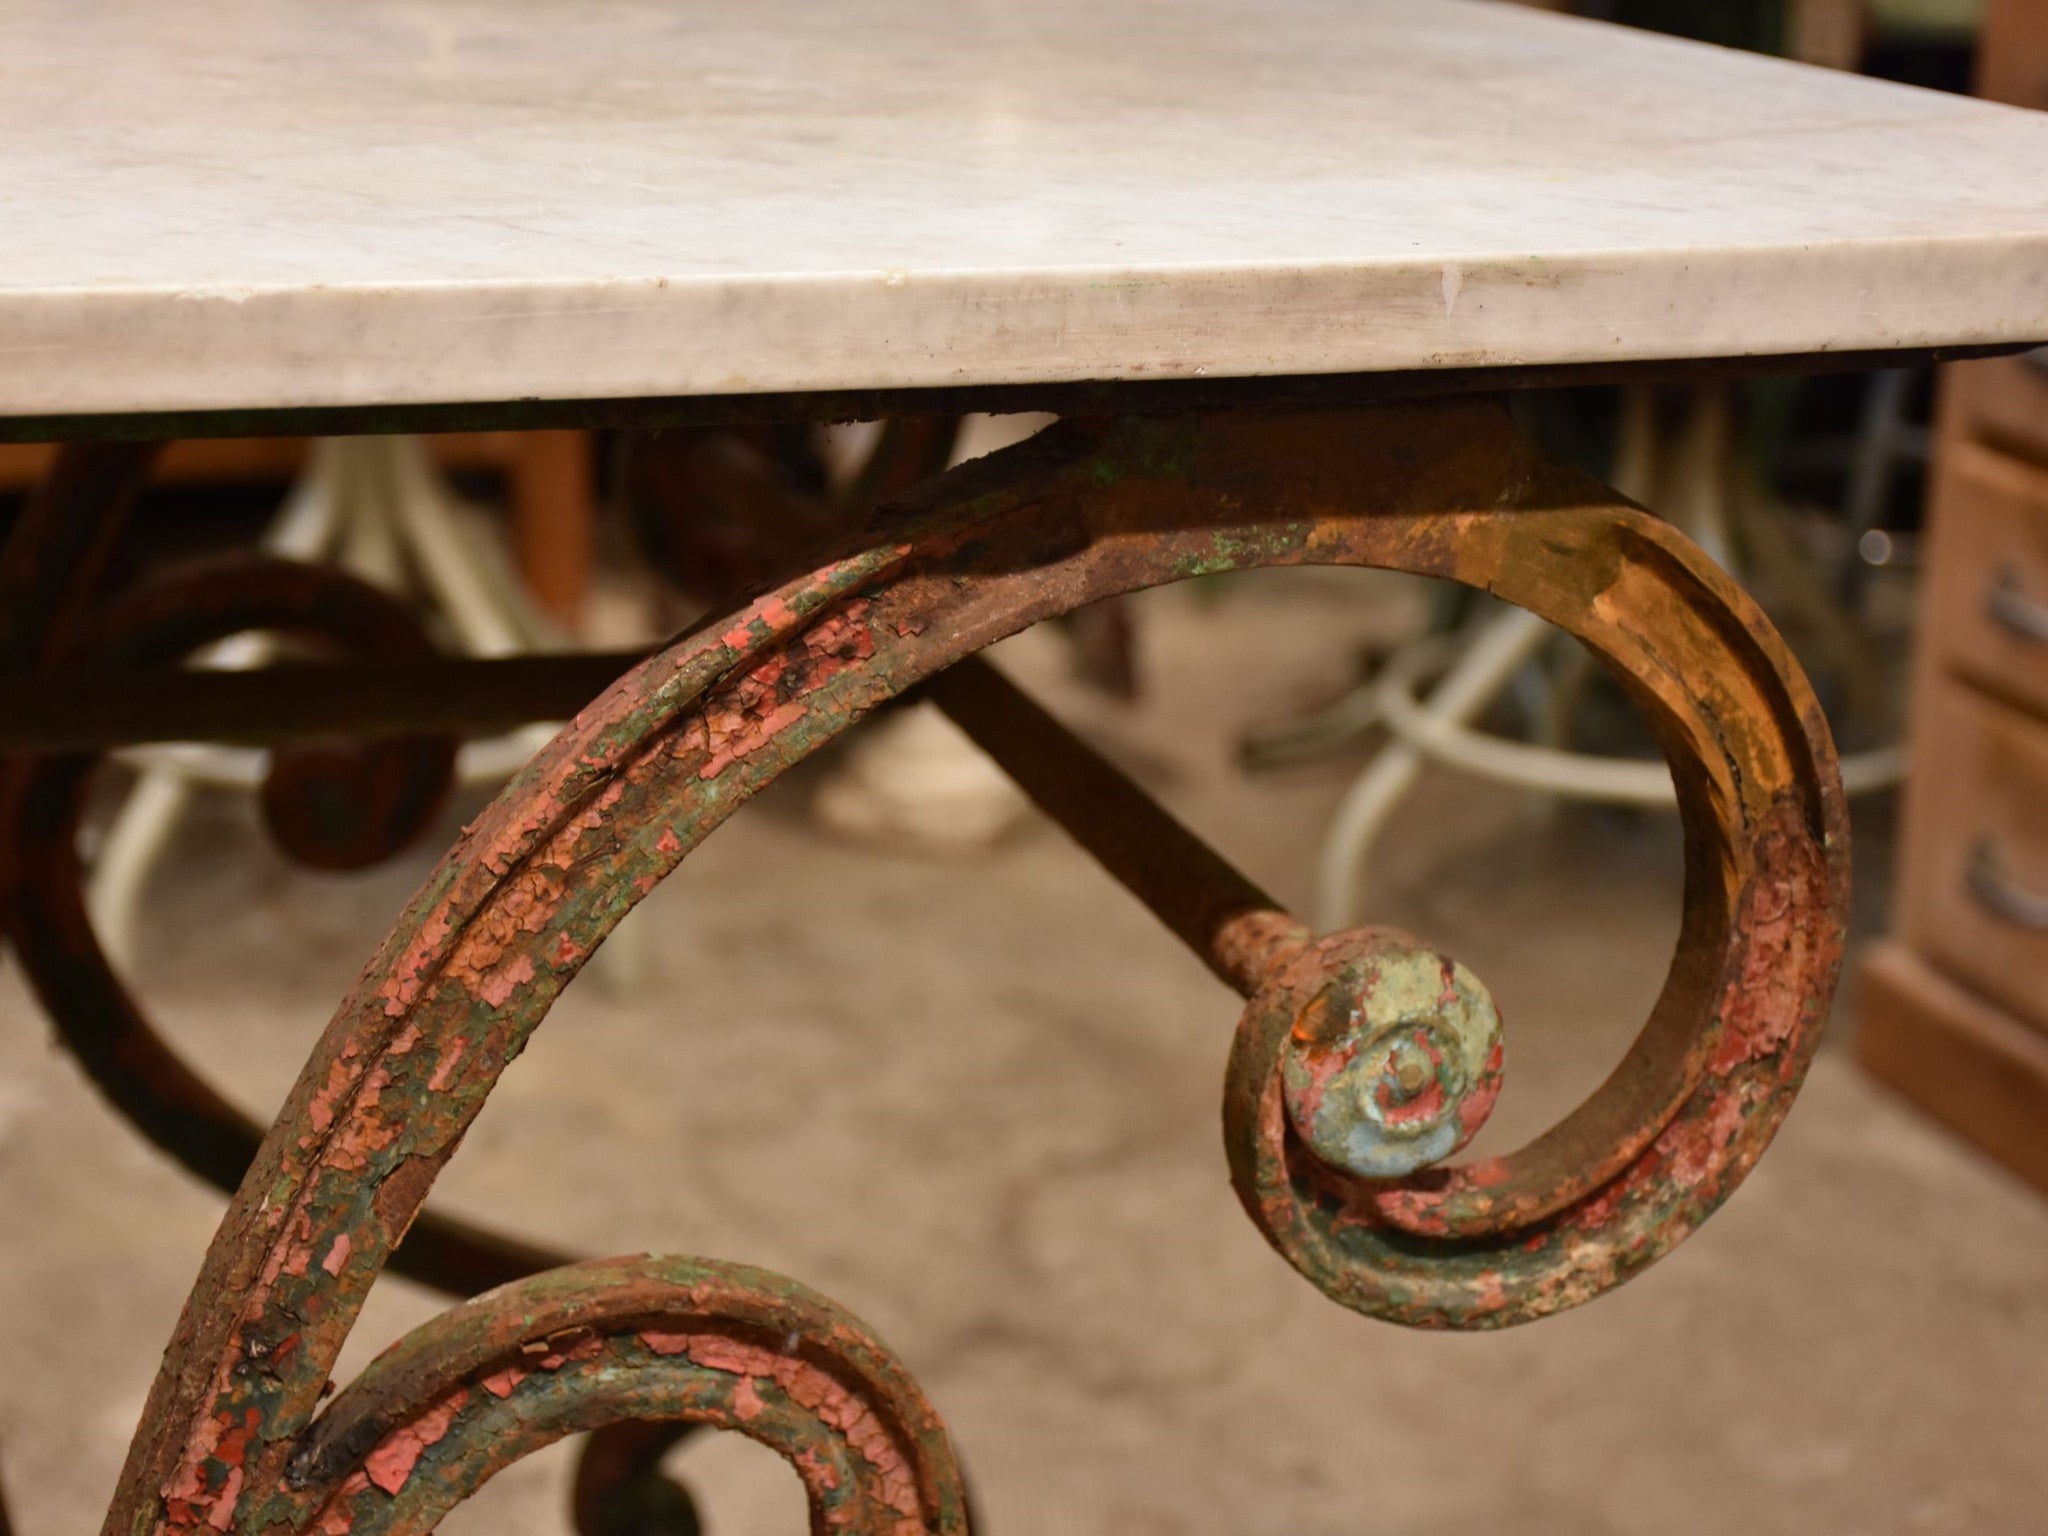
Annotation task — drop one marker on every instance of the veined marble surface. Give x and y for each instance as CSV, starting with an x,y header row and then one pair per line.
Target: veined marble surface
x,y
237,203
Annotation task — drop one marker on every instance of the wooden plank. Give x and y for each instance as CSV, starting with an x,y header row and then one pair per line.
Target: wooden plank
x,y
1956,1056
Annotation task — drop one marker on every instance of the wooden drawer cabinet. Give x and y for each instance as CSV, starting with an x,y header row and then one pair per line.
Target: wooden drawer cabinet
x,y
1985,617
1962,1058
1974,892
1953,1010
2012,53
2003,402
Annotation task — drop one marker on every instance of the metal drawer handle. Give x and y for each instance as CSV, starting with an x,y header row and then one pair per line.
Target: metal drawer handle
x,y
2011,608
1988,882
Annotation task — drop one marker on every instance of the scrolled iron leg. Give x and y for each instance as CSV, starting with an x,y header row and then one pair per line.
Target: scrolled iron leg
x,y
335,805
1362,1059
623,1340
49,575
53,560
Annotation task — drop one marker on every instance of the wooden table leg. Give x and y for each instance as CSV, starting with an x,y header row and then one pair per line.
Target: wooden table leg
x,y
554,520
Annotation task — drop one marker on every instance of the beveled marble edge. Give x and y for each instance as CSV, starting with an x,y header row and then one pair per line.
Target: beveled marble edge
x,y
333,346
1083,397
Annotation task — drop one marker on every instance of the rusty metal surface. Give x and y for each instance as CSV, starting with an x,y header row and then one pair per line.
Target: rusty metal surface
x,y
232,1433
155,626
625,1339
1236,929
51,565
59,547
50,569
68,709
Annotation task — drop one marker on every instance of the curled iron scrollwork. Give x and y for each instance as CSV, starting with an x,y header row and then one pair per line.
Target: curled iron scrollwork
x,y
233,1437
625,1340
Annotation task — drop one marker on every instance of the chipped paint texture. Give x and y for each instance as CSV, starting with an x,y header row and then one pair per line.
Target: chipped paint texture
x,y
1631,1172
1083,512
694,1340
1395,1063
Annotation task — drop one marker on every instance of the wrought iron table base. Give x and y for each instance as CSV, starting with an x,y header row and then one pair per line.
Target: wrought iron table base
x,y
1363,1059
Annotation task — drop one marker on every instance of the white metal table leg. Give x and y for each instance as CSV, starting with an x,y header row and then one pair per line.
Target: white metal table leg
x,y
1697,484
135,838
1499,649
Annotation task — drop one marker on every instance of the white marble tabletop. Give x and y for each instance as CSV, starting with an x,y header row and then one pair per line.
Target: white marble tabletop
x,y
246,203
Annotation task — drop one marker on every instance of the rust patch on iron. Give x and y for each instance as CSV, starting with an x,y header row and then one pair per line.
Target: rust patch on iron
x,y
1085,512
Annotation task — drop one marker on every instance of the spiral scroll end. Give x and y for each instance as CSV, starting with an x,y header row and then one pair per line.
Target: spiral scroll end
x,y
1394,1062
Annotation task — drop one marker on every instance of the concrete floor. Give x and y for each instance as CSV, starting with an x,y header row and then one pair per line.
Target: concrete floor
x,y
976,1101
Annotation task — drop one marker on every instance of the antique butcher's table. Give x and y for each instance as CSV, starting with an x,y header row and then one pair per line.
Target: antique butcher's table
x,y
1275,263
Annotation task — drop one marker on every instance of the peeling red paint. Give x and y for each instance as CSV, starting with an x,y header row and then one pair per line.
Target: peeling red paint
x,y
823,1376
1477,1105
391,1463
746,1401
444,1069
222,1515
501,1383
638,779
497,988
771,613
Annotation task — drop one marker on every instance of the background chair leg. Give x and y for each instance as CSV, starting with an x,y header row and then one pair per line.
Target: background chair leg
x,y
1499,649
554,521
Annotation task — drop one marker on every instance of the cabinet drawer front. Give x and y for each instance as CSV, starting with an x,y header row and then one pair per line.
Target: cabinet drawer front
x,y
2004,401
1987,593
1976,871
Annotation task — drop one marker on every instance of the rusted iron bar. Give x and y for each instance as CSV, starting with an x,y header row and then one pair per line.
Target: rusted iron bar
x,y
81,710
121,665
1239,931
650,1337
233,1437
60,545
140,1072
49,570
619,1487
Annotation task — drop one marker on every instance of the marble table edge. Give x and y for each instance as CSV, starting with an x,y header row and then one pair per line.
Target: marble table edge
x,y
89,350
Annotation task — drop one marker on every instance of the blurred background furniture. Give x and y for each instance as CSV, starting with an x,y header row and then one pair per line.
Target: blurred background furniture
x,y
1718,464
1687,456
387,509
1953,1010
547,478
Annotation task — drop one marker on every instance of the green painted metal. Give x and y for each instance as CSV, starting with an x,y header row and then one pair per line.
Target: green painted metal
x,y
234,1438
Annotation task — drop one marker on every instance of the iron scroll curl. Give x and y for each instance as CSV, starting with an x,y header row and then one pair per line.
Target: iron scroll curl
x,y
1085,511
